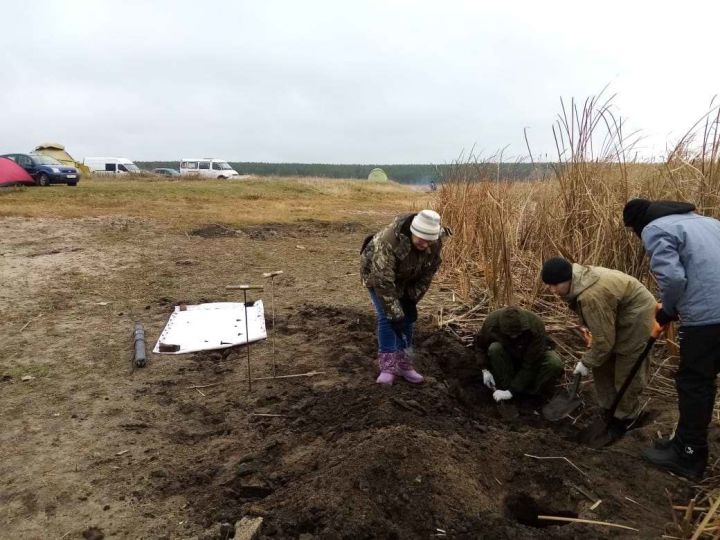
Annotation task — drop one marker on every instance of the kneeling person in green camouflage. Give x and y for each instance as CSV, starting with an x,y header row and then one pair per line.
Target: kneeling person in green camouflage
x,y
518,354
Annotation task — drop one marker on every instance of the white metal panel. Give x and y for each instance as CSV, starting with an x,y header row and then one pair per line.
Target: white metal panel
x,y
217,325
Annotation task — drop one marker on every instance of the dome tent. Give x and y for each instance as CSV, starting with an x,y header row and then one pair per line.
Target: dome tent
x,y
378,175
12,174
58,152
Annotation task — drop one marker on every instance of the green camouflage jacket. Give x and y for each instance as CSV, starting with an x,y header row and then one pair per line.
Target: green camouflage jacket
x,y
393,268
527,349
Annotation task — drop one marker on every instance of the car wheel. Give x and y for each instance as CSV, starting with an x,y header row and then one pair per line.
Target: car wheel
x,y
43,179
221,178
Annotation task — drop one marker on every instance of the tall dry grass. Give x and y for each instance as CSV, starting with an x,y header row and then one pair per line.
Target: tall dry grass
x,y
504,230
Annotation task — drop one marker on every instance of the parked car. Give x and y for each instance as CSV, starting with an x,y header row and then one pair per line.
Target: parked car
x,y
162,171
46,170
207,167
111,165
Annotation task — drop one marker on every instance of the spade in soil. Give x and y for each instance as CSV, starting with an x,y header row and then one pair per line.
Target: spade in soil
x,y
601,433
563,404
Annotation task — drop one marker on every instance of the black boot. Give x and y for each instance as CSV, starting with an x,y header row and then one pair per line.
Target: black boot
x,y
663,443
681,459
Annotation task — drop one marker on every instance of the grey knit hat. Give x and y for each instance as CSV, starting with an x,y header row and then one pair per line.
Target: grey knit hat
x,y
426,225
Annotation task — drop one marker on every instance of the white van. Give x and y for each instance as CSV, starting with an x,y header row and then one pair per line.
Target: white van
x,y
111,165
208,168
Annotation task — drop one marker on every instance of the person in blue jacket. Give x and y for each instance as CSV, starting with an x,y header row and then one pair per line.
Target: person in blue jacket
x,y
684,250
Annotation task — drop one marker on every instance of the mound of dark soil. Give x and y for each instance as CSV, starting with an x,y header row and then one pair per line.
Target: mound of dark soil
x,y
302,229
385,463
213,230
355,460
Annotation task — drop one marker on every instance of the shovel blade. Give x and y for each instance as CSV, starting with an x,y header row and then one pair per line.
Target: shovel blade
x,y
598,434
560,406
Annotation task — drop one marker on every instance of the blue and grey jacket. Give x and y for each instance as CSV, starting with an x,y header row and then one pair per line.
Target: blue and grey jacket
x,y
684,251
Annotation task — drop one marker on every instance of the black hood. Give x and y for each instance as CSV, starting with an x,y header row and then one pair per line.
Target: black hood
x,y
638,213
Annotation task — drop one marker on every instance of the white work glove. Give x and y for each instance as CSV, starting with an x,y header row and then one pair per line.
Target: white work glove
x,y
488,379
581,369
502,395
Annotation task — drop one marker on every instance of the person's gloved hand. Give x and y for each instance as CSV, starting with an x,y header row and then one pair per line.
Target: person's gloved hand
x,y
502,395
657,330
663,318
409,307
488,379
582,369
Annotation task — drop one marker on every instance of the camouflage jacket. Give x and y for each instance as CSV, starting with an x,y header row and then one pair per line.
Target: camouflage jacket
x,y
530,345
527,350
394,269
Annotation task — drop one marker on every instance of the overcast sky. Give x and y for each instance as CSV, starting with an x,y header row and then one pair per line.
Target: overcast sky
x,y
342,81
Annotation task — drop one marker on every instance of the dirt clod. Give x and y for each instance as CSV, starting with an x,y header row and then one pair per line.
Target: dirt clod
x,y
93,533
247,528
213,230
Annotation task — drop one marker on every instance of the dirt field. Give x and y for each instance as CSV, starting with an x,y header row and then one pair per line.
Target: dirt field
x,y
90,446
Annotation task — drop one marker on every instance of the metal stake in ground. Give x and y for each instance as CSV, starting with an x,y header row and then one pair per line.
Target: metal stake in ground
x,y
139,356
272,275
245,289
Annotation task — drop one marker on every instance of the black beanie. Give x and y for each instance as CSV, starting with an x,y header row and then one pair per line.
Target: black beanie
x,y
634,214
638,213
556,270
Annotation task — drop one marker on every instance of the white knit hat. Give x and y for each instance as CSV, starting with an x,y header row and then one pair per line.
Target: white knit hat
x,y
426,225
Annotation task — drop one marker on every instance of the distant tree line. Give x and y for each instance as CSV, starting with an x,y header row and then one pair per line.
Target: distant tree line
x,y
404,174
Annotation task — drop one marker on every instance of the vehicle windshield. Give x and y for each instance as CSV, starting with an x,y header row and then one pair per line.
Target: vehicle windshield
x,y
131,167
45,160
222,166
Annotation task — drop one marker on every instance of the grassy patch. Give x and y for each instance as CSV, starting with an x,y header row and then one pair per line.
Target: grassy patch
x,y
18,371
240,202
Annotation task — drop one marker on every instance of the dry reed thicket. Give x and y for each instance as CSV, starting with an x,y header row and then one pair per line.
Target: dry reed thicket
x,y
502,231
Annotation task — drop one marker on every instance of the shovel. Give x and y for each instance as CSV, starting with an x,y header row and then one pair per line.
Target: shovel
x,y
563,404
598,434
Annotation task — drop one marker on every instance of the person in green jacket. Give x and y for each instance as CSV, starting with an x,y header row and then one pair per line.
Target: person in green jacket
x,y
518,354
619,312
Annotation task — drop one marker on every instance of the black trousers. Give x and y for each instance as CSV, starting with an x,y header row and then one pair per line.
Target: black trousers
x,y
695,382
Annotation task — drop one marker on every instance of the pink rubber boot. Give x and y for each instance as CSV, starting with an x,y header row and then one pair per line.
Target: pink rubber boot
x,y
387,362
406,368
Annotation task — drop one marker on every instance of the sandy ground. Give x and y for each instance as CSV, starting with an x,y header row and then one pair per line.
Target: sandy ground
x,y
90,446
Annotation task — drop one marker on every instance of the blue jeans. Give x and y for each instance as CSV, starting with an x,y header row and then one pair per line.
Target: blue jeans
x,y
388,341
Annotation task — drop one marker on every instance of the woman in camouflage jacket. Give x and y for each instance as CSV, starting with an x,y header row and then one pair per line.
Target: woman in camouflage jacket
x,y
397,266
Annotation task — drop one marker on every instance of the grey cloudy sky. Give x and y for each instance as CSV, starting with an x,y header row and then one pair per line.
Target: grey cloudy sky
x,y
392,81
